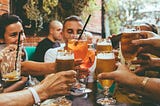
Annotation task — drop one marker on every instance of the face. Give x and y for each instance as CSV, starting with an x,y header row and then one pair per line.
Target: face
x,y
11,33
144,28
56,30
72,29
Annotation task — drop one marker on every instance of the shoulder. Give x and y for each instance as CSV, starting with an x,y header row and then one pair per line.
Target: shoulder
x,y
50,55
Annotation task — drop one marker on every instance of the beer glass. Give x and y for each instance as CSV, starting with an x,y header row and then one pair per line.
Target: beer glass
x,y
64,60
129,50
104,44
105,63
11,64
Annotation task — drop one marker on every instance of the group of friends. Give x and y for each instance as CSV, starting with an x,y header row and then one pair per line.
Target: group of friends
x,y
54,83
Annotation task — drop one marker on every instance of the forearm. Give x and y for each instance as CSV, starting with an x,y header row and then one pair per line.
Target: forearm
x,y
21,98
37,68
150,90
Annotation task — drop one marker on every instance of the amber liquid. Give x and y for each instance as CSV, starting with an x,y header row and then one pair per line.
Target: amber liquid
x,y
106,64
101,48
63,65
12,76
129,51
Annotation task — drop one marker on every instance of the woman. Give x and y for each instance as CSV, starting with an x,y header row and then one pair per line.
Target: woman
x,y
10,27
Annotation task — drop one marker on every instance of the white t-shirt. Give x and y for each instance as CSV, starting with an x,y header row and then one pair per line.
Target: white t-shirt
x,y
50,55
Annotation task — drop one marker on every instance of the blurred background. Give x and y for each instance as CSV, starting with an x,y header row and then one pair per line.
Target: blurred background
x,y
108,16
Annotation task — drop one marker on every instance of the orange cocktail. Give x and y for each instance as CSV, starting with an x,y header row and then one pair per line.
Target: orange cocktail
x,y
80,48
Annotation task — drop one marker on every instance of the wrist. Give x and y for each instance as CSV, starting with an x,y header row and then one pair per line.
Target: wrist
x,y
35,95
41,92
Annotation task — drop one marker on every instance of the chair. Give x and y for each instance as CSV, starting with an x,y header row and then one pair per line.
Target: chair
x,y
30,51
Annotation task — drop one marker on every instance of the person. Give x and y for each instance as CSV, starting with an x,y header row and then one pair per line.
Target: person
x,y
89,37
152,42
147,27
115,38
10,27
147,87
148,48
54,35
72,26
52,86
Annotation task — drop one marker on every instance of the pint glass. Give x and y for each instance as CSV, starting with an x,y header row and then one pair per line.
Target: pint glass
x,y
64,60
129,50
104,45
105,63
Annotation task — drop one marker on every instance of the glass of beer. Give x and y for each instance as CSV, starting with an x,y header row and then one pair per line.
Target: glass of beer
x,y
129,50
65,60
11,64
104,44
105,63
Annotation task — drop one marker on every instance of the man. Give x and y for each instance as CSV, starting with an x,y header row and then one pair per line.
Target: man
x,y
72,27
10,27
54,34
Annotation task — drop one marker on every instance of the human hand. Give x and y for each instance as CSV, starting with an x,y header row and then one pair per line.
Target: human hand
x,y
81,69
16,86
58,84
120,75
146,63
149,45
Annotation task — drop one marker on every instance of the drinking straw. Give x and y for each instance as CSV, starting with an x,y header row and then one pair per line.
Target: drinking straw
x,y
18,45
83,29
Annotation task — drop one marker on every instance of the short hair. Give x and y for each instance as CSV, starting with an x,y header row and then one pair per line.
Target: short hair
x,y
7,19
72,18
153,27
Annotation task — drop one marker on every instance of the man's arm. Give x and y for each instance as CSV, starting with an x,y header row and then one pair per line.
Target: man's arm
x,y
37,68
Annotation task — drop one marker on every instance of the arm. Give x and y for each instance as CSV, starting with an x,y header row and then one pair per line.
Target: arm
x,y
149,90
52,85
16,86
37,68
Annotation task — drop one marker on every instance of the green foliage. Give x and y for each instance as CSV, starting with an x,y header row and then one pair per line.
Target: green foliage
x,y
90,8
122,13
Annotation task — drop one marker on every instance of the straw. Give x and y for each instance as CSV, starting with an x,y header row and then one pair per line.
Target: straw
x,y
18,45
83,29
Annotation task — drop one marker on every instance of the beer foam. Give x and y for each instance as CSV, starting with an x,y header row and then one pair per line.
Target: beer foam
x,y
103,43
105,56
65,57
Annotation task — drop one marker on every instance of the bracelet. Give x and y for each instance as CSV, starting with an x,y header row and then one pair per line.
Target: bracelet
x,y
35,96
144,82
